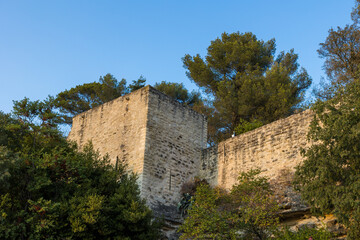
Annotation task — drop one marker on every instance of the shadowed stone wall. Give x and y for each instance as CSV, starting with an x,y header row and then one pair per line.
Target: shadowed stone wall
x,y
174,139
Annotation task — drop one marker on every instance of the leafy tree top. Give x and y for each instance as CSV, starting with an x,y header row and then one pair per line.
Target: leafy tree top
x,y
178,92
341,52
89,95
246,81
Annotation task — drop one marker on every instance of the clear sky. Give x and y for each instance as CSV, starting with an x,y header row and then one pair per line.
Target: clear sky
x,y
49,46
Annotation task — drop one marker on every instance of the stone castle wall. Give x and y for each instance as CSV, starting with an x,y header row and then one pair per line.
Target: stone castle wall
x,y
157,137
165,144
272,148
174,139
116,128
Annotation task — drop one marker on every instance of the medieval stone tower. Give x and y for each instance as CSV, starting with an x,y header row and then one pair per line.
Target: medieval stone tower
x,y
157,137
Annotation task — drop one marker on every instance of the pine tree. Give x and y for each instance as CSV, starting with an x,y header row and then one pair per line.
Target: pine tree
x,y
246,82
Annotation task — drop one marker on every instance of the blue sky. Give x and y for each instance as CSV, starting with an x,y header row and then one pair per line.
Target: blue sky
x,y
49,46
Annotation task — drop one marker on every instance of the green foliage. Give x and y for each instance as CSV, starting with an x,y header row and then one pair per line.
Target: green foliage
x,y
11,132
49,190
303,234
329,178
140,83
246,81
68,194
205,219
248,211
191,186
85,211
245,126
188,191
179,93
341,51
184,204
89,95
35,125
256,207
